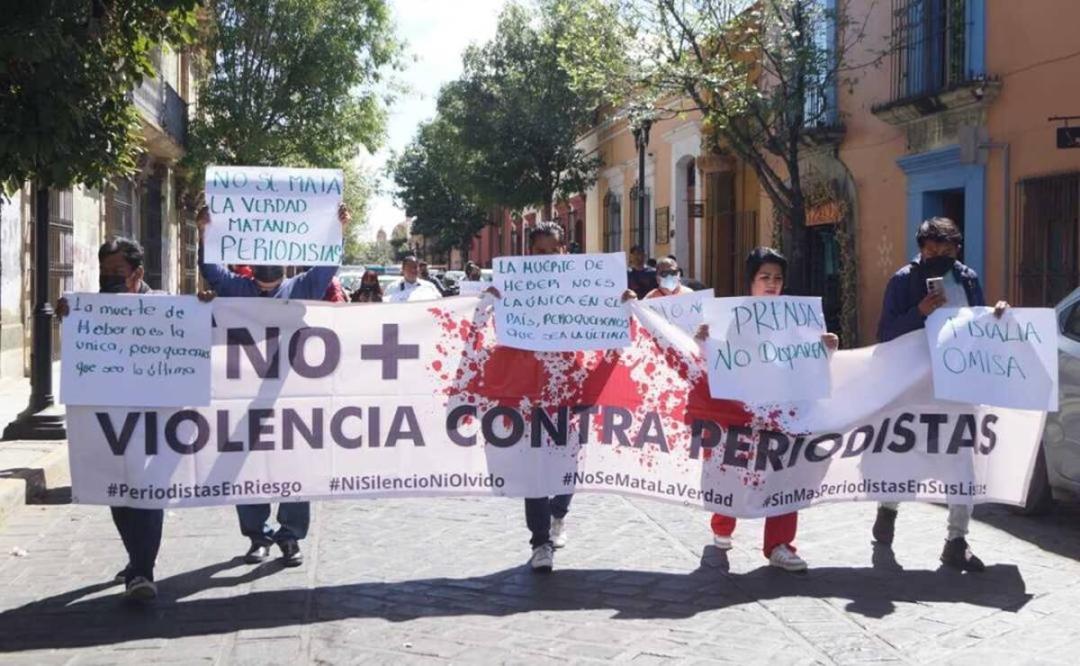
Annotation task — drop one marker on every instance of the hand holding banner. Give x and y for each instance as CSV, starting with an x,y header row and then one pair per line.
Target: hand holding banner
x,y
684,310
136,350
273,216
562,302
1011,361
766,349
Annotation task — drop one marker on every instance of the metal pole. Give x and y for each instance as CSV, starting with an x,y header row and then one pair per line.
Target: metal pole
x,y
642,136
42,419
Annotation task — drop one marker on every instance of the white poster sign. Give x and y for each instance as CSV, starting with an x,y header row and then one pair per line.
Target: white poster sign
x,y
273,215
137,350
684,310
417,400
767,349
472,287
564,302
1011,361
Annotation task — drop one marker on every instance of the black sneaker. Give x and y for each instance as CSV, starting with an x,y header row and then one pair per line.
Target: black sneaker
x,y
290,553
122,575
257,554
957,555
885,526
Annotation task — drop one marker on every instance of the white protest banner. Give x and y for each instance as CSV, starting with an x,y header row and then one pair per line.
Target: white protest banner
x,y
136,350
766,350
684,310
562,302
273,216
1011,361
417,399
472,287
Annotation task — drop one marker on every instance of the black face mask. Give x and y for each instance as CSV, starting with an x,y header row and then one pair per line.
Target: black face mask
x,y
937,266
267,273
112,284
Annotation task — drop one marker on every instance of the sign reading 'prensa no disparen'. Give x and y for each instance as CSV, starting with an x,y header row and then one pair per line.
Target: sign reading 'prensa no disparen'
x,y
273,216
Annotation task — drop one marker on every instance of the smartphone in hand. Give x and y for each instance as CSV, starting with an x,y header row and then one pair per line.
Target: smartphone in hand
x,y
936,286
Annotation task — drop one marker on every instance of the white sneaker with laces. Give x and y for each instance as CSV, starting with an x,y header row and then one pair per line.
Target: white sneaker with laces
x,y
558,533
140,589
721,542
784,558
543,558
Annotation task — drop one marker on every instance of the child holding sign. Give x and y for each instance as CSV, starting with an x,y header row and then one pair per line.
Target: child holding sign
x,y
765,269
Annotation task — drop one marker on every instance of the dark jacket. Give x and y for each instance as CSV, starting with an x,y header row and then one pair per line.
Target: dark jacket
x,y
900,312
311,284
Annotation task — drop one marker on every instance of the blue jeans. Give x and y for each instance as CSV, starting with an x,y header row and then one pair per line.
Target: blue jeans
x,y
140,530
293,519
538,514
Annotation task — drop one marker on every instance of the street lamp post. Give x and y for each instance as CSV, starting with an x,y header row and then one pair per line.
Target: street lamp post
x,y
641,140
42,418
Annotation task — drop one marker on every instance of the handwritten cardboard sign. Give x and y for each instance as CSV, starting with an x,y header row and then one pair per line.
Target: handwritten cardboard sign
x,y
273,216
1008,362
138,350
562,302
767,349
684,310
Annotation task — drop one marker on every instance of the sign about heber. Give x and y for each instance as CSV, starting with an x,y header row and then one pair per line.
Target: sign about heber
x,y
766,350
565,302
273,216
1007,361
137,350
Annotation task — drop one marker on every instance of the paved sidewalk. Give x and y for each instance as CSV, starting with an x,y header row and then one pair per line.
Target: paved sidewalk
x,y
436,581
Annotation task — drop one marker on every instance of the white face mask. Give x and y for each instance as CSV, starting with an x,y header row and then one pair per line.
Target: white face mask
x,y
669,283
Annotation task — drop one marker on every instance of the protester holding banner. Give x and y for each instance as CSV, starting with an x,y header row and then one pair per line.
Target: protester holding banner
x,y
669,284
268,281
765,270
640,278
425,274
411,287
909,300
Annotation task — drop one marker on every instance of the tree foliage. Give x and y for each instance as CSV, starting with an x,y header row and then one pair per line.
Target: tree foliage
x,y
295,82
515,107
434,179
66,70
762,74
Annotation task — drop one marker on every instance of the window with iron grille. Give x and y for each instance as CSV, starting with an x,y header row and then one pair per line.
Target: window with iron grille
x,y
635,230
1048,232
189,257
61,257
120,209
612,223
930,47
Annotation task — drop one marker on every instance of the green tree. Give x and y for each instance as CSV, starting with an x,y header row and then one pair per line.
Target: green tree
x,y
435,187
763,75
294,82
66,70
514,106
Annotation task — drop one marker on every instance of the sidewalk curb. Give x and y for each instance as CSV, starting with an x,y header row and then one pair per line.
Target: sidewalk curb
x,y
28,470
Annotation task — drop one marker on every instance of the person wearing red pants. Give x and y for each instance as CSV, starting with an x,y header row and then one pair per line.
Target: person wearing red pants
x,y
765,270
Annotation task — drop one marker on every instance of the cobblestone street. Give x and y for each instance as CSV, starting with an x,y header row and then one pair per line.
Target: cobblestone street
x,y
429,581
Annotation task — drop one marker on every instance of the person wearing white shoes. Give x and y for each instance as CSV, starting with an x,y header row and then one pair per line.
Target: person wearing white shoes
x,y
765,269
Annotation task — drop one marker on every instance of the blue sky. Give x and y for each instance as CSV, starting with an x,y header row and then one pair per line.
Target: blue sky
x,y
436,33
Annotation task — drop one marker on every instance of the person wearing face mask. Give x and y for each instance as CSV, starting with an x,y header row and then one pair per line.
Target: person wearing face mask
x,y
908,302
270,282
120,271
667,277
765,270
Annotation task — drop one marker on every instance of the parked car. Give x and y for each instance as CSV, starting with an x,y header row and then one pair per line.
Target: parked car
x,y
1057,469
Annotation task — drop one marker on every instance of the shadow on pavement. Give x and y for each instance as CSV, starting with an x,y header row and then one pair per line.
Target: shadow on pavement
x,y
70,620
1057,532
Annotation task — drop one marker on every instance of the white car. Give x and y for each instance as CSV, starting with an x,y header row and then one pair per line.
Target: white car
x,y
1057,469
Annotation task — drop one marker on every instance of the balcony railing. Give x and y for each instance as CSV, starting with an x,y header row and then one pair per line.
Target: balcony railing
x,y
159,102
929,48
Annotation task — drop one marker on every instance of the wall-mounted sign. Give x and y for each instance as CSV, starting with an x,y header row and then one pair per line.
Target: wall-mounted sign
x,y
826,212
663,224
1068,137
697,210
